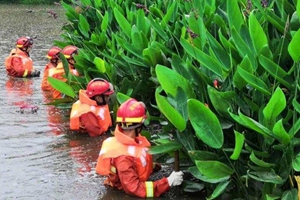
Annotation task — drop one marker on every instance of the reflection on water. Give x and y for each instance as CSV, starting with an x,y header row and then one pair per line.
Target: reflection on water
x,y
40,158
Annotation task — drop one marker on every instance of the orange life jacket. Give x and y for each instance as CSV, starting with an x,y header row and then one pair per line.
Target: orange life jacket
x,y
85,105
22,70
122,145
45,84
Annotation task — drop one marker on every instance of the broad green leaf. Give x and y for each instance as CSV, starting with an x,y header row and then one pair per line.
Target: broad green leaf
x,y
254,81
62,87
122,97
137,39
256,126
275,20
296,105
100,64
105,22
123,23
129,47
221,187
196,173
298,9
290,194
256,152
86,2
170,12
156,26
206,60
219,52
84,26
293,47
205,124
142,22
238,81
235,17
221,101
243,48
276,71
296,163
268,197
257,33
65,64
202,155
266,177
197,25
275,105
70,12
281,133
239,143
171,80
180,103
171,146
295,128
214,169
171,113
259,162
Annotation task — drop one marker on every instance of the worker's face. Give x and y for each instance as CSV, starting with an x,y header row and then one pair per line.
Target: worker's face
x,y
101,101
71,61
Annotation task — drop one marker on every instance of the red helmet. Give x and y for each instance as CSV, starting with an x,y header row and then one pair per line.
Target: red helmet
x,y
24,42
69,51
53,53
99,86
130,113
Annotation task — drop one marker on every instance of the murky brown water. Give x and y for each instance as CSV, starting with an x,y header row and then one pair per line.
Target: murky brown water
x,y
39,157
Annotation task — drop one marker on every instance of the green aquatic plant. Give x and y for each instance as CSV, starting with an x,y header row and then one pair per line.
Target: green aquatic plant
x,y
220,77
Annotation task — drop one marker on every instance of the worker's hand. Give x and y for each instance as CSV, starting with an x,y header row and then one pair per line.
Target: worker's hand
x,y
35,73
175,178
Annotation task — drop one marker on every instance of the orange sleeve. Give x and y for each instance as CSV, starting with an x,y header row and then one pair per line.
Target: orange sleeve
x,y
90,122
130,181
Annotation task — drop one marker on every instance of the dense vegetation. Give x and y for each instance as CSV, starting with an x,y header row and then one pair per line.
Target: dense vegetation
x,y
33,1
221,77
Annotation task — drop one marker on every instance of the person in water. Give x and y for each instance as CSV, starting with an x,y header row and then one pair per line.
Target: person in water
x,y
91,112
59,73
124,160
53,56
19,63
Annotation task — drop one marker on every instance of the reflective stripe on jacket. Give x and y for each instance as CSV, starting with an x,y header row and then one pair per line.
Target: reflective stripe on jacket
x,y
18,63
85,105
127,165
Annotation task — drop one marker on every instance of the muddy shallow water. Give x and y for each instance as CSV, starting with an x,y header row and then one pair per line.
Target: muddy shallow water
x,y
39,157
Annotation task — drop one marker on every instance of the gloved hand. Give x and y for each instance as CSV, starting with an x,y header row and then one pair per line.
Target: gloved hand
x,y
175,178
35,73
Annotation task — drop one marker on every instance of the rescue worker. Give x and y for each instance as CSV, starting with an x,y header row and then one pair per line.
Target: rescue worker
x,y
59,73
53,56
19,63
91,112
124,158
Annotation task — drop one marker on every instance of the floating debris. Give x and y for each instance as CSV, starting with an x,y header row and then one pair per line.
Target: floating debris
x,y
32,109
